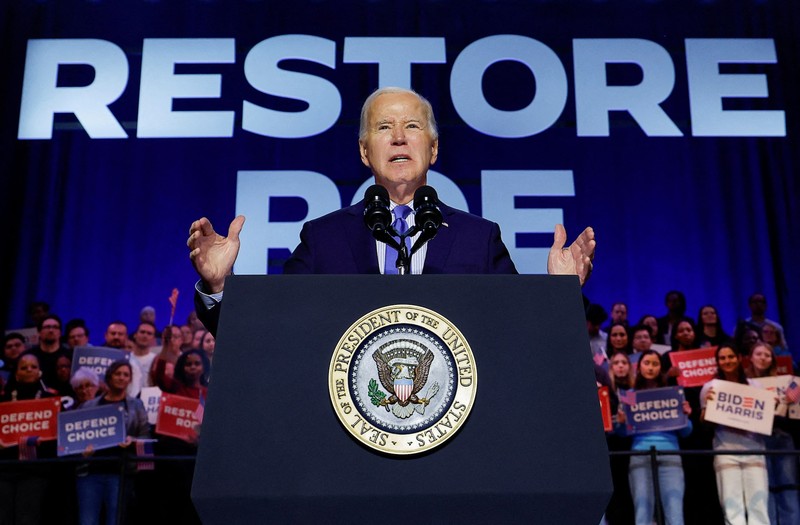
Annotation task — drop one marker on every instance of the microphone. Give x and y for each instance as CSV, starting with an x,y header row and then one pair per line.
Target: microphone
x,y
377,216
426,215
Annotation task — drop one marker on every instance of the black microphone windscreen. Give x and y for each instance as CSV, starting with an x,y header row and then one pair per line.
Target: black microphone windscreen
x,y
376,191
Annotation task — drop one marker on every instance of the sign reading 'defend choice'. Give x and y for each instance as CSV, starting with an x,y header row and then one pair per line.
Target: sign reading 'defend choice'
x,y
37,417
96,358
696,367
178,417
101,427
652,410
741,406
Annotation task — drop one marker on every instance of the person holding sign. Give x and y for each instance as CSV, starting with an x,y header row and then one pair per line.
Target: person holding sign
x,y
670,469
741,480
784,500
98,483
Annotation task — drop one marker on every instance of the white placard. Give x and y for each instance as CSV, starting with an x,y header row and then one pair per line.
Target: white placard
x,y
741,406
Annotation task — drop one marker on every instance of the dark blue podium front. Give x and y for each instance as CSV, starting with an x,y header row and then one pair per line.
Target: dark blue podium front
x,y
273,450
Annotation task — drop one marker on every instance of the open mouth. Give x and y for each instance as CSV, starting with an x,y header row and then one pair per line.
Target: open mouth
x,y
399,158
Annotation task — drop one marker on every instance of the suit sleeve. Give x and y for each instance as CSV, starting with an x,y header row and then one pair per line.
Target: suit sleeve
x,y
499,259
302,259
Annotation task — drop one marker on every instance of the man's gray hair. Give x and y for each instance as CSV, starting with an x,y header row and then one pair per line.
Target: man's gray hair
x,y
362,129
84,374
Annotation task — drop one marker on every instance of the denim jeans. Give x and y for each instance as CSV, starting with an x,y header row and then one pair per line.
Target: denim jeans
x,y
670,483
96,491
784,504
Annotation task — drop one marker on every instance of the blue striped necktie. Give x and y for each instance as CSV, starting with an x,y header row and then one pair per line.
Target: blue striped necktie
x,y
400,213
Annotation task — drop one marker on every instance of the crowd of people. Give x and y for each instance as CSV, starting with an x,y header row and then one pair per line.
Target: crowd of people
x,y
752,489
176,359
739,488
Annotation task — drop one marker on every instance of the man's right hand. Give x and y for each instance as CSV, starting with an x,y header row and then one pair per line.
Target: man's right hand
x,y
212,254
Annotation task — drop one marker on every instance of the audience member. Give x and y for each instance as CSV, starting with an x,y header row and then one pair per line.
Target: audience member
x,y
621,371
758,314
208,344
595,317
670,470
642,338
741,479
37,311
709,326
618,340
651,321
85,383
190,378
675,302
784,498
148,315
747,338
116,336
49,348
77,335
172,339
619,314
98,483
143,340
188,337
13,347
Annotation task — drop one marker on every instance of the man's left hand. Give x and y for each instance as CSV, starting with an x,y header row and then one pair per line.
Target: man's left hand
x,y
575,260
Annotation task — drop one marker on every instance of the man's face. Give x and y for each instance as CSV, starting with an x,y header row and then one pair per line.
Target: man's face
x,y
398,147
116,335
144,336
674,304
50,332
13,349
758,305
642,341
77,337
619,314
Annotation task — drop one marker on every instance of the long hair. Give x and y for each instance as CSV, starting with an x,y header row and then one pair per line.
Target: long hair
x,y
740,375
641,383
180,365
772,370
628,346
629,380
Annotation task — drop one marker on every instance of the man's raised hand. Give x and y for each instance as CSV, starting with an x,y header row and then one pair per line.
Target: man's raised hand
x,y
212,254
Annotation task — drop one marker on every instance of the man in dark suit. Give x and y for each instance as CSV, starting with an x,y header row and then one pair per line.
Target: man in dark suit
x,y
398,142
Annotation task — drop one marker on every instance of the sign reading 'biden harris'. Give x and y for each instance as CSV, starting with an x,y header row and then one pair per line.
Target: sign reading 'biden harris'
x,y
402,379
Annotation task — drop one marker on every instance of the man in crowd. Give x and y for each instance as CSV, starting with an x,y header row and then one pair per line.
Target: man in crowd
x,y
642,338
675,302
619,313
596,316
77,333
143,340
758,315
398,142
49,349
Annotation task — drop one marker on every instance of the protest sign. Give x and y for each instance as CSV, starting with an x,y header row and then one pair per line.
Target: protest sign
x,y
653,410
695,367
101,427
96,358
36,417
778,385
605,408
741,406
178,417
151,398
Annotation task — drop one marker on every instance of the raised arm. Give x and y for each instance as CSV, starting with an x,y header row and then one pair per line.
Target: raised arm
x,y
575,260
212,254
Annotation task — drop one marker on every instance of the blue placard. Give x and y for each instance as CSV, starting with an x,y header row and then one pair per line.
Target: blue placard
x,y
101,427
96,358
653,410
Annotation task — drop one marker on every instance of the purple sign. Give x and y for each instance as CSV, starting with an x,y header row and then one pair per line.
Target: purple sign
x,y
100,427
653,410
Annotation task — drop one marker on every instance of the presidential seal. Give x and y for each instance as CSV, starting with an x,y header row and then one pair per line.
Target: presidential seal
x,y
402,379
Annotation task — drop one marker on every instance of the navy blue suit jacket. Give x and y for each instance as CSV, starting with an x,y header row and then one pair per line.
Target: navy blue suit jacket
x,y
340,243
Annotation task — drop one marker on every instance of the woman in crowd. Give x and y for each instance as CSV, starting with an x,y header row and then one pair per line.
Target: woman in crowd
x,y
710,328
774,337
98,483
172,339
742,479
618,339
685,337
85,384
621,371
22,491
190,378
26,382
208,345
670,470
784,502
